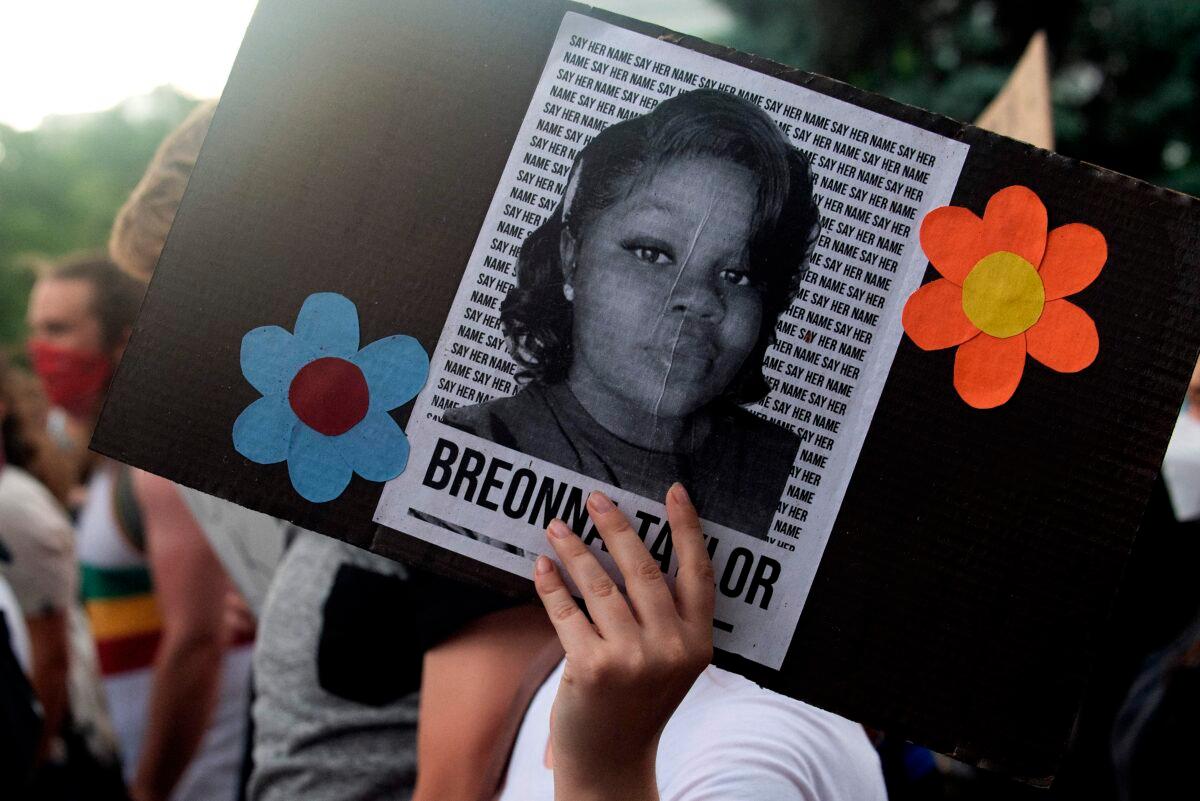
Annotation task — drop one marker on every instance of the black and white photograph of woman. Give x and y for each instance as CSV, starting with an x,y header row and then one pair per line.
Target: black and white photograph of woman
x,y
644,306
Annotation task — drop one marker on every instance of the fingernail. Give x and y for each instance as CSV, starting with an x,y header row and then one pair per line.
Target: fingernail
x,y
680,493
542,565
600,503
558,529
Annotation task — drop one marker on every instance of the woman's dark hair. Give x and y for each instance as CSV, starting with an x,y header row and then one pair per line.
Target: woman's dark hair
x,y
536,316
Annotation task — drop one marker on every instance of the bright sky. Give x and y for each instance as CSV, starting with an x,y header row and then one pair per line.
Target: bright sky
x,y
72,56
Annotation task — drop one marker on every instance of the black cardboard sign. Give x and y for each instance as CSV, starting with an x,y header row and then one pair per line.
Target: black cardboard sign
x,y
975,554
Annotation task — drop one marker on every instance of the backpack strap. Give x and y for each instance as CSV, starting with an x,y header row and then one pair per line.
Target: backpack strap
x,y
125,509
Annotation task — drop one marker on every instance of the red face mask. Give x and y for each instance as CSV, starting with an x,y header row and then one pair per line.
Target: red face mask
x,y
74,380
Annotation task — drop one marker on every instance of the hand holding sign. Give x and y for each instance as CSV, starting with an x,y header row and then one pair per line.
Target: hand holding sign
x,y
629,671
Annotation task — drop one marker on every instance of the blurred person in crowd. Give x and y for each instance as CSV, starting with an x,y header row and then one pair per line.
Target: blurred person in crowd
x,y
335,706
37,556
77,330
175,682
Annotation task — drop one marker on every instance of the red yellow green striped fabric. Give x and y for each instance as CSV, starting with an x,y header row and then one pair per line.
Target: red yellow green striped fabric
x,y
124,616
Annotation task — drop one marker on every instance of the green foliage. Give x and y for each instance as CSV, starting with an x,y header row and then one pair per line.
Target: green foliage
x,y
62,183
1126,72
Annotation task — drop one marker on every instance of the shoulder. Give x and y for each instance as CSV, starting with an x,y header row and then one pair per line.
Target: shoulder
x,y
478,418
750,424
174,541
17,487
313,561
28,511
505,421
733,739
770,442
153,491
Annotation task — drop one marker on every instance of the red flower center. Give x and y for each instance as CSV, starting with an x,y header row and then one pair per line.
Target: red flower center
x,y
329,395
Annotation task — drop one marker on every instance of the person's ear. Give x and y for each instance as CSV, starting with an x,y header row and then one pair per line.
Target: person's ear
x,y
568,251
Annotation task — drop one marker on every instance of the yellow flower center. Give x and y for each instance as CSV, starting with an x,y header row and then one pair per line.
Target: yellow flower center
x,y
1003,294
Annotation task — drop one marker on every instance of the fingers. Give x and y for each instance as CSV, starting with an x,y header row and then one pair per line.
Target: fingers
x,y
644,582
652,600
603,597
694,586
574,630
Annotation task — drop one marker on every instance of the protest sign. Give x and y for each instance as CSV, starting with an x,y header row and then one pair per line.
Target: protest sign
x,y
1022,109
918,377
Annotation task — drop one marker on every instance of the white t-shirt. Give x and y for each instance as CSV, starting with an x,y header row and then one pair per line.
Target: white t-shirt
x,y
729,739
39,548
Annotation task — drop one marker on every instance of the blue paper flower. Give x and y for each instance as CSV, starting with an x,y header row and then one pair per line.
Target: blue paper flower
x,y
325,403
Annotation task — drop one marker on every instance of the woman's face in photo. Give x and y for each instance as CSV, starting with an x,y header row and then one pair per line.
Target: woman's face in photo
x,y
665,313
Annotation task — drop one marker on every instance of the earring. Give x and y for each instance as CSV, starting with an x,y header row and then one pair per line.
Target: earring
x,y
569,293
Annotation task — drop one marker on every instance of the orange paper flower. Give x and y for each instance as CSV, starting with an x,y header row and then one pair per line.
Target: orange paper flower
x,y
1001,294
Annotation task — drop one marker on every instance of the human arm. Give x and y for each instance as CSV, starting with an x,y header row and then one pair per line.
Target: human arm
x,y
189,587
42,572
626,674
472,676
50,665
